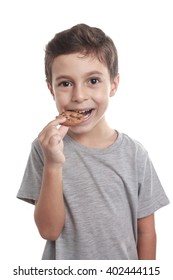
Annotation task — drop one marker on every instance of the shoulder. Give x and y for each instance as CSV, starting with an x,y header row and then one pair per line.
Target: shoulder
x,y
133,145
35,145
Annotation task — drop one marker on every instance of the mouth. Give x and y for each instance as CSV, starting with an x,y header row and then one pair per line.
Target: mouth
x,y
86,113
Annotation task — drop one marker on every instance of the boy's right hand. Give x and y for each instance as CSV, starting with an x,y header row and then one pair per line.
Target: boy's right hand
x,y
50,139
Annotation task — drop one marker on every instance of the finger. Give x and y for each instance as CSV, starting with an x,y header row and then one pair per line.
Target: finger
x,y
55,123
55,139
63,131
58,120
45,136
53,133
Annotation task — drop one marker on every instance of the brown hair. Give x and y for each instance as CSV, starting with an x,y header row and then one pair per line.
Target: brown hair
x,y
84,39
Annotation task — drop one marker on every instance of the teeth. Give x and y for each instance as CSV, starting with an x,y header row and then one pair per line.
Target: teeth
x,y
84,111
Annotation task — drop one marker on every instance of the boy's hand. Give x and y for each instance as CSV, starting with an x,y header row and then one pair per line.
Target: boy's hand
x,y
50,139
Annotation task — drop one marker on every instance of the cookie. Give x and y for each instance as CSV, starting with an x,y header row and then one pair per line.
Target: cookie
x,y
72,118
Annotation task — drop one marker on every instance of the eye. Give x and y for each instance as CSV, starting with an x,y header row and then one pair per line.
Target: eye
x,y
94,81
65,84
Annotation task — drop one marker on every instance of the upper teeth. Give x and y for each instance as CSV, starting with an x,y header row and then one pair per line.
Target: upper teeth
x,y
84,111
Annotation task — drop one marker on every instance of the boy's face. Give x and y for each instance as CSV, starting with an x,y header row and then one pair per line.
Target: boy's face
x,y
82,83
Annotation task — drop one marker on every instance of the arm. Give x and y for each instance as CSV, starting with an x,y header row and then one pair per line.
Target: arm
x,y
49,210
146,244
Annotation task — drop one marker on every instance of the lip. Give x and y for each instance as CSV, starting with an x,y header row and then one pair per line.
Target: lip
x,y
80,109
87,118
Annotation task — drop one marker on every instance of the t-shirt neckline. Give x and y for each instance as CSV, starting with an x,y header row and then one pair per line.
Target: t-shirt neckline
x,y
90,150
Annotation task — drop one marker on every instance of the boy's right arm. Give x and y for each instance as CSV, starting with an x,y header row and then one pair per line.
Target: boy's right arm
x,y
49,210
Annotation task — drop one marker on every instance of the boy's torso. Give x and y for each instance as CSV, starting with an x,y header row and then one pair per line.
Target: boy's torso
x,y
100,204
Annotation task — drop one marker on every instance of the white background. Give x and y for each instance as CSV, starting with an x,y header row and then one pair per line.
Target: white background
x,y
142,107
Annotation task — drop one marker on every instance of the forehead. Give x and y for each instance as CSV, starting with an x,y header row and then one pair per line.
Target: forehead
x,y
77,62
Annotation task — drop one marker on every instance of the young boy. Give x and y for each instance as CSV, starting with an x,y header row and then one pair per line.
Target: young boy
x,y
95,189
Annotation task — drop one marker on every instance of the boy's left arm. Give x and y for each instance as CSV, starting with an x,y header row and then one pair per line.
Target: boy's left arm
x,y
146,244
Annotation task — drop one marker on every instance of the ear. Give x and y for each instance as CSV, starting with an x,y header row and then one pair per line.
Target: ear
x,y
50,89
114,85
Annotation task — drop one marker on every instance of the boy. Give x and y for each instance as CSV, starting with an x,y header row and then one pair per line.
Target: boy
x,y
95,190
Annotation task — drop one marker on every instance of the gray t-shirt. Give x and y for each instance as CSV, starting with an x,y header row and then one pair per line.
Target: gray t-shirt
x,y
105,192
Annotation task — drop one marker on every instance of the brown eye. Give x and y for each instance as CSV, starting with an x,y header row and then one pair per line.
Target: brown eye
x,y
94,81
65,84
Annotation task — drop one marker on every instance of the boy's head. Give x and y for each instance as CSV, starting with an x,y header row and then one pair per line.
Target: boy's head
x,y
83,39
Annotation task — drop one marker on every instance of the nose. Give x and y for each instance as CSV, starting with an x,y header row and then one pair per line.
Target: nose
x,y
79,94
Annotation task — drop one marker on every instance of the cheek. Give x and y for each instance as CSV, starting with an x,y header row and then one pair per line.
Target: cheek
x,y
103,96
61,101
102,104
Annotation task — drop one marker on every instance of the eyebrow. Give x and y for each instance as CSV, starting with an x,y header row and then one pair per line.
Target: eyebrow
x,y
85,75
62,77
93,73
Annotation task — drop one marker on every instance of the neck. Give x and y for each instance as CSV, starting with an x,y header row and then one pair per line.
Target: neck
x,y
100,136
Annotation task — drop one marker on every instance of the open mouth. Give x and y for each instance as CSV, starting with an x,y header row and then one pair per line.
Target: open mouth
x,y
85,113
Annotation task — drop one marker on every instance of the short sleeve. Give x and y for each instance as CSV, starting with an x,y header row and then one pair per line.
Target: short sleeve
x,y
31,182
151,195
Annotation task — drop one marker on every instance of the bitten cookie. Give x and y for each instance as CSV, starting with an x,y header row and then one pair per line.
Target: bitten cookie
x,y
72,118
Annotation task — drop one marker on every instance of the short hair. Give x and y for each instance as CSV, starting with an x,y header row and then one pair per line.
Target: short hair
x,y
83,39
